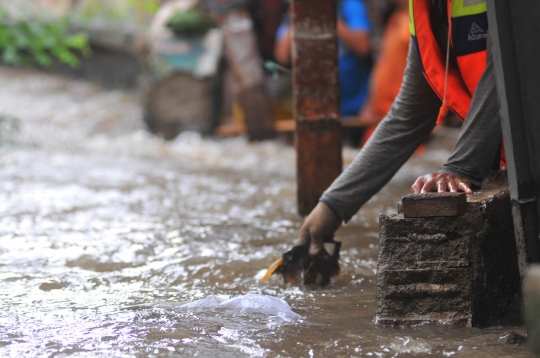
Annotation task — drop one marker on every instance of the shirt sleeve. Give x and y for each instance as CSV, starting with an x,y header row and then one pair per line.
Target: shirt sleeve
x,y
354,13
410,120
481,134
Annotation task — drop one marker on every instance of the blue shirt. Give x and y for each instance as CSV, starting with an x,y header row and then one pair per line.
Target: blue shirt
x,y
353,70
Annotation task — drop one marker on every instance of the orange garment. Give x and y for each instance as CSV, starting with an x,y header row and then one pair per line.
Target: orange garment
x,y
470,54
469,45
388,71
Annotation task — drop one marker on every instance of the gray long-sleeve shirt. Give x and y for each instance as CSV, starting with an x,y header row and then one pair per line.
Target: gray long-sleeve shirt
x,y
411,119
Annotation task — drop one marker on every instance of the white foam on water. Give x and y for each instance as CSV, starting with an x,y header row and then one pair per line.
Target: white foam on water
x,y
410,345
249,304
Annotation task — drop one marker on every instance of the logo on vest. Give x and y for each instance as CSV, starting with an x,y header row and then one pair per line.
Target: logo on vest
x,y
476,33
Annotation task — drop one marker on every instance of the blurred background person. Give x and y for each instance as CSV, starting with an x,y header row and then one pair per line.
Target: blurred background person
x,y
355,49
389,67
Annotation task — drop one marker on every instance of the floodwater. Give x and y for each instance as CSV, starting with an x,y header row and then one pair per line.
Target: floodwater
x,y
114,243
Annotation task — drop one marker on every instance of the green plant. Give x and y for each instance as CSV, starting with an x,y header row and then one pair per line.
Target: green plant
x,y
191,23
140,11
29,42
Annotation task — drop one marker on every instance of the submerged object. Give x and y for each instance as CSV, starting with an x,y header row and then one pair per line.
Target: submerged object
x,y
297,265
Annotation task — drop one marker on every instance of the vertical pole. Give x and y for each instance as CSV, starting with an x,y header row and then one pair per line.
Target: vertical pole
x,y
515,29
316,99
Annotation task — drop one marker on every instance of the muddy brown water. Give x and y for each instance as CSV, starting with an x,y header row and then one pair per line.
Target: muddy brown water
x,y
105,231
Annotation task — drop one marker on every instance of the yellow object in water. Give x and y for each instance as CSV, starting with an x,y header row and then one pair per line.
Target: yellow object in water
x,y
271,270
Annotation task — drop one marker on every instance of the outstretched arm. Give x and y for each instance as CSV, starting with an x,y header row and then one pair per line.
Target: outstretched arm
x,y
409,122
283,46
357,40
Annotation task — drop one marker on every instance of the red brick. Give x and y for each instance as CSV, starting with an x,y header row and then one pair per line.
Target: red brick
x,y
433,204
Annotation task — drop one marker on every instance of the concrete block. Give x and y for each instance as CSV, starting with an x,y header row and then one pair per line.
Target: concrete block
x,y
433,204
459,270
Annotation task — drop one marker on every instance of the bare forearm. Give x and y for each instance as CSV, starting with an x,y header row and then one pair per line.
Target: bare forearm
x,y
358,41
283,49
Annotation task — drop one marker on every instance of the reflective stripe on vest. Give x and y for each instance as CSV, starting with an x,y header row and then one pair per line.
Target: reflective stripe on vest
x,y
469,39
469,33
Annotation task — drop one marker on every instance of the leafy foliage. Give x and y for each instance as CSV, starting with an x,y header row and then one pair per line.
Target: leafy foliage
x,y
191,23
27,42
139,10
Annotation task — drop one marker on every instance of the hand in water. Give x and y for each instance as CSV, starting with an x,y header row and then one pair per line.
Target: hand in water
x,y
441,182
317,254
319,227
317,237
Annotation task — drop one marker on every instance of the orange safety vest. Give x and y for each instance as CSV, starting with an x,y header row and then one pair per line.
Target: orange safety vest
x,y
468,22
468,26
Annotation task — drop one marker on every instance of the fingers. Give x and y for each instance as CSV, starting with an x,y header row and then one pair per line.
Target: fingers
x,y
465,187
453,186
314,241
429,186
314,249
416,188
441,186
441,182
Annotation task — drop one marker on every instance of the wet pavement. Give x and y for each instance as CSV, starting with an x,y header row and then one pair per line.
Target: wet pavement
x,y
106,233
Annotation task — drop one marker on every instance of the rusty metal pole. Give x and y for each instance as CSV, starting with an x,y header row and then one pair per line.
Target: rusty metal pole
x,y
514,29
316,99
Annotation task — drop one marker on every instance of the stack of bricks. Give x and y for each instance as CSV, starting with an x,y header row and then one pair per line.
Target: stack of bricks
x,y
448,259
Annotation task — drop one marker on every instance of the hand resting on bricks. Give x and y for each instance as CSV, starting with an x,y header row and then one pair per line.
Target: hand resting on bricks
x,y
441,182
